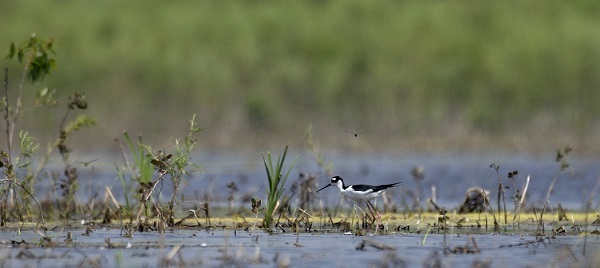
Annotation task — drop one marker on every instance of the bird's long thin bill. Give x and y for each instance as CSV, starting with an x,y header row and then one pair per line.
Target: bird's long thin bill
x,y
324,187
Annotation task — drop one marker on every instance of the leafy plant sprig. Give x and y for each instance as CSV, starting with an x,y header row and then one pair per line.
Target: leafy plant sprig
x,y
27,54
37,57
175,166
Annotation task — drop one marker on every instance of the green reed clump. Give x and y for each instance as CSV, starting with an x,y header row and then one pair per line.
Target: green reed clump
x,y
276,183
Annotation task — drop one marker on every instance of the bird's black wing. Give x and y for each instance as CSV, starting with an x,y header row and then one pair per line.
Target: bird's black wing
x,y
362,187
365,188
384,186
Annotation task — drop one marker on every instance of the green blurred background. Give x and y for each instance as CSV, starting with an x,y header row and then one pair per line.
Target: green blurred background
x,y
458,75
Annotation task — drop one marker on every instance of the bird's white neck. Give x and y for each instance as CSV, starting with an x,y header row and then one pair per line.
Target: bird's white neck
x,y
340,185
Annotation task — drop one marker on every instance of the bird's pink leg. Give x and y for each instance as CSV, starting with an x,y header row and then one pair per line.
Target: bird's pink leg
x,y
372,214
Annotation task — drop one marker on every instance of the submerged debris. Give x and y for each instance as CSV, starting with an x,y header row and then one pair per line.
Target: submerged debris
x,y
376,245
434,261
538,241
470,248
390,260
481,263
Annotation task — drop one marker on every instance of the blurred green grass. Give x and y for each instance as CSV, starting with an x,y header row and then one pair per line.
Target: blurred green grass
x,y
396,67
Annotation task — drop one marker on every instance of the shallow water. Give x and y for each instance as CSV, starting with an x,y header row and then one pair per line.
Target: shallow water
x,y
239,248
451,175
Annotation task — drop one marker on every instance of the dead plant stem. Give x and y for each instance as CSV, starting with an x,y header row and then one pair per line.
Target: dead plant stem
x,y
550,188
148,195
255,221
7,116
487,201
517,213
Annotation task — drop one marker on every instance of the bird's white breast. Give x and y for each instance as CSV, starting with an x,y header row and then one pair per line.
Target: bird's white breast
x,y
359,196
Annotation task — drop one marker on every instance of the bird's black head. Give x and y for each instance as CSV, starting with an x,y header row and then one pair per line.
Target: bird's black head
x,y
334,181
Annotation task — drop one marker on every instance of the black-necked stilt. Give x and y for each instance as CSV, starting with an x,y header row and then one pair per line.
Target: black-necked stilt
x,y
360,192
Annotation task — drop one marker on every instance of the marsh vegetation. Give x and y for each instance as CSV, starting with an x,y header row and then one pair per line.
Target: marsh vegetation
x,y
269,73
